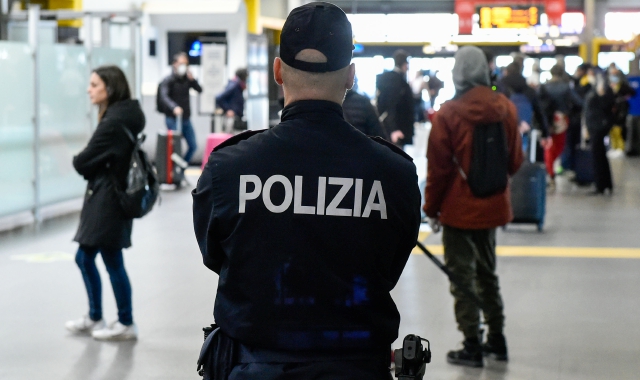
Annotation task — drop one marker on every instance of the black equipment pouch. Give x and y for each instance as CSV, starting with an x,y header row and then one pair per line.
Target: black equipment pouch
x,y
217,356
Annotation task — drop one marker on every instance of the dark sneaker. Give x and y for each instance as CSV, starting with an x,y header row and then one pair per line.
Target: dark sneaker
x,y
496,348
470,355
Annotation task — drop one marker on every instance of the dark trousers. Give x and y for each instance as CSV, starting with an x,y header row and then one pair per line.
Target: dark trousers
x,y
471,256
113,260
601,168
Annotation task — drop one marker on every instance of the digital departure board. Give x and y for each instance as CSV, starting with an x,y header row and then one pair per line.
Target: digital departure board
x,y
509,17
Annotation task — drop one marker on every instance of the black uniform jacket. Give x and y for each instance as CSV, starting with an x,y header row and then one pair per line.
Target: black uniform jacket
x,y
103,162
174,92
396,99
359,112
309,225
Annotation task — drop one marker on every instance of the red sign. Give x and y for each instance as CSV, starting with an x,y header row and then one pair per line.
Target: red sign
x,y
465,9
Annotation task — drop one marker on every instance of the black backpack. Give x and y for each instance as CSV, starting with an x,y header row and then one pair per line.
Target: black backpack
x,y
489,172
142,188
160,107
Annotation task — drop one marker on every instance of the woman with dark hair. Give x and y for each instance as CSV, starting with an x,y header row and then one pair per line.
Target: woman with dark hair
x,y
104,228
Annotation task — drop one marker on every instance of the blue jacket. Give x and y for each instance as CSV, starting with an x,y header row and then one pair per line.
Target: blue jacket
x,y
231,98
309,225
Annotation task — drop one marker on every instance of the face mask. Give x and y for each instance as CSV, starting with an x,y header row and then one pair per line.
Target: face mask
x,y
614,79
592,79
182,70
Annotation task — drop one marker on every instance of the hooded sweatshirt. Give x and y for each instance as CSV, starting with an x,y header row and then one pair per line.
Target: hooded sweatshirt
x,y
447,194
470,70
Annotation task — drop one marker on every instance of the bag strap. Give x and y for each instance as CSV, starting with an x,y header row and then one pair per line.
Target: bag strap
x,y
462,173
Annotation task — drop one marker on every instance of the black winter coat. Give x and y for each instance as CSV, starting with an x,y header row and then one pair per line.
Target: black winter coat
x,y
103,162
174,92
359,112
396,99
315,275
598,112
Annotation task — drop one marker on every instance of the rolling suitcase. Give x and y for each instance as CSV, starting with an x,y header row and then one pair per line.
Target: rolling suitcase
x,y
169,162
529,190
583,165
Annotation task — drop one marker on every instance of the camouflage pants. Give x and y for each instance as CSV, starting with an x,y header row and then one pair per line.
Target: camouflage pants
x,y
471,256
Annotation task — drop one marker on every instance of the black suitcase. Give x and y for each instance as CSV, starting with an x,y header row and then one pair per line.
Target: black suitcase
x,y
632,147
169,146
583,165
529,190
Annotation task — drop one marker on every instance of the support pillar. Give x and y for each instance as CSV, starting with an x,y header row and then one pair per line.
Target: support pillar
x,y
253,16
105,33
33,21
136,48
589,27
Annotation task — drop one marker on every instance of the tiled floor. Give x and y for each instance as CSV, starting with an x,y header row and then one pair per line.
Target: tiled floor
x,y
567,318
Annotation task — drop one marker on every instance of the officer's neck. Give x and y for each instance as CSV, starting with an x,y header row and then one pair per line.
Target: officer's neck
x,y
292,97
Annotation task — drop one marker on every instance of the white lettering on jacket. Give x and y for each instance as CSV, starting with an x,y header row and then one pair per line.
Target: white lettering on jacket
x,y
293,194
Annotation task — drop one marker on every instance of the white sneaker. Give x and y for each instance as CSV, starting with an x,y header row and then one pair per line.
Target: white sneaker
x,y
84,325
116,331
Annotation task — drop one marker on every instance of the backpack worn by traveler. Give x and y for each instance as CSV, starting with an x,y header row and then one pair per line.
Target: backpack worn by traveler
x,y
489,171
160,107
142,188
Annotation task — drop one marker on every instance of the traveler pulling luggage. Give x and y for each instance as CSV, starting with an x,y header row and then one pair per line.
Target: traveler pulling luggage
x,y
529,190
169,161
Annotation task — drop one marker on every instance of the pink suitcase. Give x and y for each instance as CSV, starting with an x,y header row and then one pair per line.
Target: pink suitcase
x,y
213,140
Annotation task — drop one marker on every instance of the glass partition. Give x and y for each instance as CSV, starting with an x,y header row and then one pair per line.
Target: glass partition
x,y
119,57
16,128
64,120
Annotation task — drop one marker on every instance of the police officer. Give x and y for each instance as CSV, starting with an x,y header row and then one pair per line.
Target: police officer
x,y
309,225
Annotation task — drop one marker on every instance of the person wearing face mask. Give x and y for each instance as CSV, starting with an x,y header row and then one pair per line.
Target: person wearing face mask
x,y
622,91
174,100
231,100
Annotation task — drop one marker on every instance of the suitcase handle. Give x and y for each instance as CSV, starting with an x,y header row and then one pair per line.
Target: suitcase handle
x,y
179,123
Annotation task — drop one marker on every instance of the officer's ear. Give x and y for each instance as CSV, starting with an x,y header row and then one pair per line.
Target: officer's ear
x,y
277,70
351,76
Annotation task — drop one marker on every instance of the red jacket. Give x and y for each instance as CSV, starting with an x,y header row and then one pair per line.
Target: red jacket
x,y
447,194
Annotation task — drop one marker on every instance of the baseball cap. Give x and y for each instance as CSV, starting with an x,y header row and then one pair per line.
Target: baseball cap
x,y
320,26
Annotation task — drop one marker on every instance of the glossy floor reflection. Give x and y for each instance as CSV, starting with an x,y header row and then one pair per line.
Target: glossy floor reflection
x,y
567,318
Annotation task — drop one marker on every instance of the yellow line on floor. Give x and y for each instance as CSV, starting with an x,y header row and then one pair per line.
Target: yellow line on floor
x,y
577,252
422,236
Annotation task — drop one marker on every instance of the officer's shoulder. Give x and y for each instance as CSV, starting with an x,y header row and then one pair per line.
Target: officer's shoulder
x,y
234,140
394,148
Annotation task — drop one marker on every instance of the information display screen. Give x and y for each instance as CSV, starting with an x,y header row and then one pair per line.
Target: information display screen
x,y
509,17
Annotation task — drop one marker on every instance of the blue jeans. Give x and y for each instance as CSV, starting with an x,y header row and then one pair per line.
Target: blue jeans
x,y
188,133
113,260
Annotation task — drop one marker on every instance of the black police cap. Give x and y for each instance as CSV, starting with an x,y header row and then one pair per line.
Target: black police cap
x,y
319,26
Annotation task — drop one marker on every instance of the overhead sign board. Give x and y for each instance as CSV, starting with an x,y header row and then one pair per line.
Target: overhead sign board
x,y
509,17
466,9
